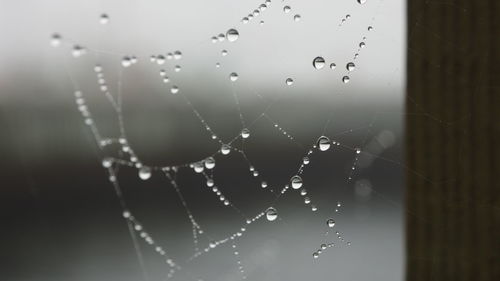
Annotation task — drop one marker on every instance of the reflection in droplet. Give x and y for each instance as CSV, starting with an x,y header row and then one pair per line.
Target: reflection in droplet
x,y
225,149
233,76
271,214
345,79
144,173
330,223
245,133
350,66
287,9
289,81
174,90
296,182
333,65
324,143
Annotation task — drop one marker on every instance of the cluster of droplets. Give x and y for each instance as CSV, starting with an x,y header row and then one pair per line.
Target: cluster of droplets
x,y
287,10
256,12
231,35
344,20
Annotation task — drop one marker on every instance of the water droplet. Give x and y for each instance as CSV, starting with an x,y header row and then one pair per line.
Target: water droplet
x,y
126,214
370,28
107,162
350,66
177,55
362,45
287,9
296,182
345,79
221,37
303,192
126,61
333,65
330,223
174,90
55,40
314,208
289,81
160,59
244,20
232,35
271,214
323,246
77,51
224,52
324,143
245,133
307,200
315,255
217,65
361,1
263,184
210,163
297,17
144,173
104,19
225,149
210,182
319,62
305,160
198,167
233,76
358,150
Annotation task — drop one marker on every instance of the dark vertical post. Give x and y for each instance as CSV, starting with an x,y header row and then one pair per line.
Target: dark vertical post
x,y
453,181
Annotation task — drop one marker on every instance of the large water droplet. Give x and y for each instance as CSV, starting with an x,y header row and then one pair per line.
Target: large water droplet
x,y
289,81
233,76
346,79
296,182
271,214
174,90
232,35
330,223
319,62
144,173
324,143
198,167
350,66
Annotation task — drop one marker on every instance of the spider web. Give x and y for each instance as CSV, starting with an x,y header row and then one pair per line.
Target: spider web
x,y
119,153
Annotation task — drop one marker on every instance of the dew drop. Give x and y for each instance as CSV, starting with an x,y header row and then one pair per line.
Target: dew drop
x,y
177,68
333,65
330,223
289,81
287,9
323,143
245,133
314,208
350,66
221,37
362,45
361,1
77,51
263,184
104,19
307,200
198,167
174,90
319,62
297,17
233,76
232,35
55,40
315,255
305,160
177,55
245,20
225,149
144,173
271,214
370,28
126,61
345,79
296,182
224,52
210,163
323,246
107,162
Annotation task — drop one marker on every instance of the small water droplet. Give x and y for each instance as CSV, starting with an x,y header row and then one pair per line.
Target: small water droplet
x,y
198,167
177,55
362,45
225,149
177,68
271,214
77,51
289,81
307,200
287,9
323,246
315,255
350,66
160,59
297,17
370,28
330,223
245,133
245,20
107,162
319,62
333,65
232,35
126,61
224,52
314,208
305,160
104,19
345,79
296,182
144,173
55,40
233,76
324,143
361,1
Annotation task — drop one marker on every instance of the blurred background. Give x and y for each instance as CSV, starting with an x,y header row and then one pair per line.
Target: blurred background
x,y
62,220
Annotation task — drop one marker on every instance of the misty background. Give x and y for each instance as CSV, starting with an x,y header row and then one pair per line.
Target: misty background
x,y
62,220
